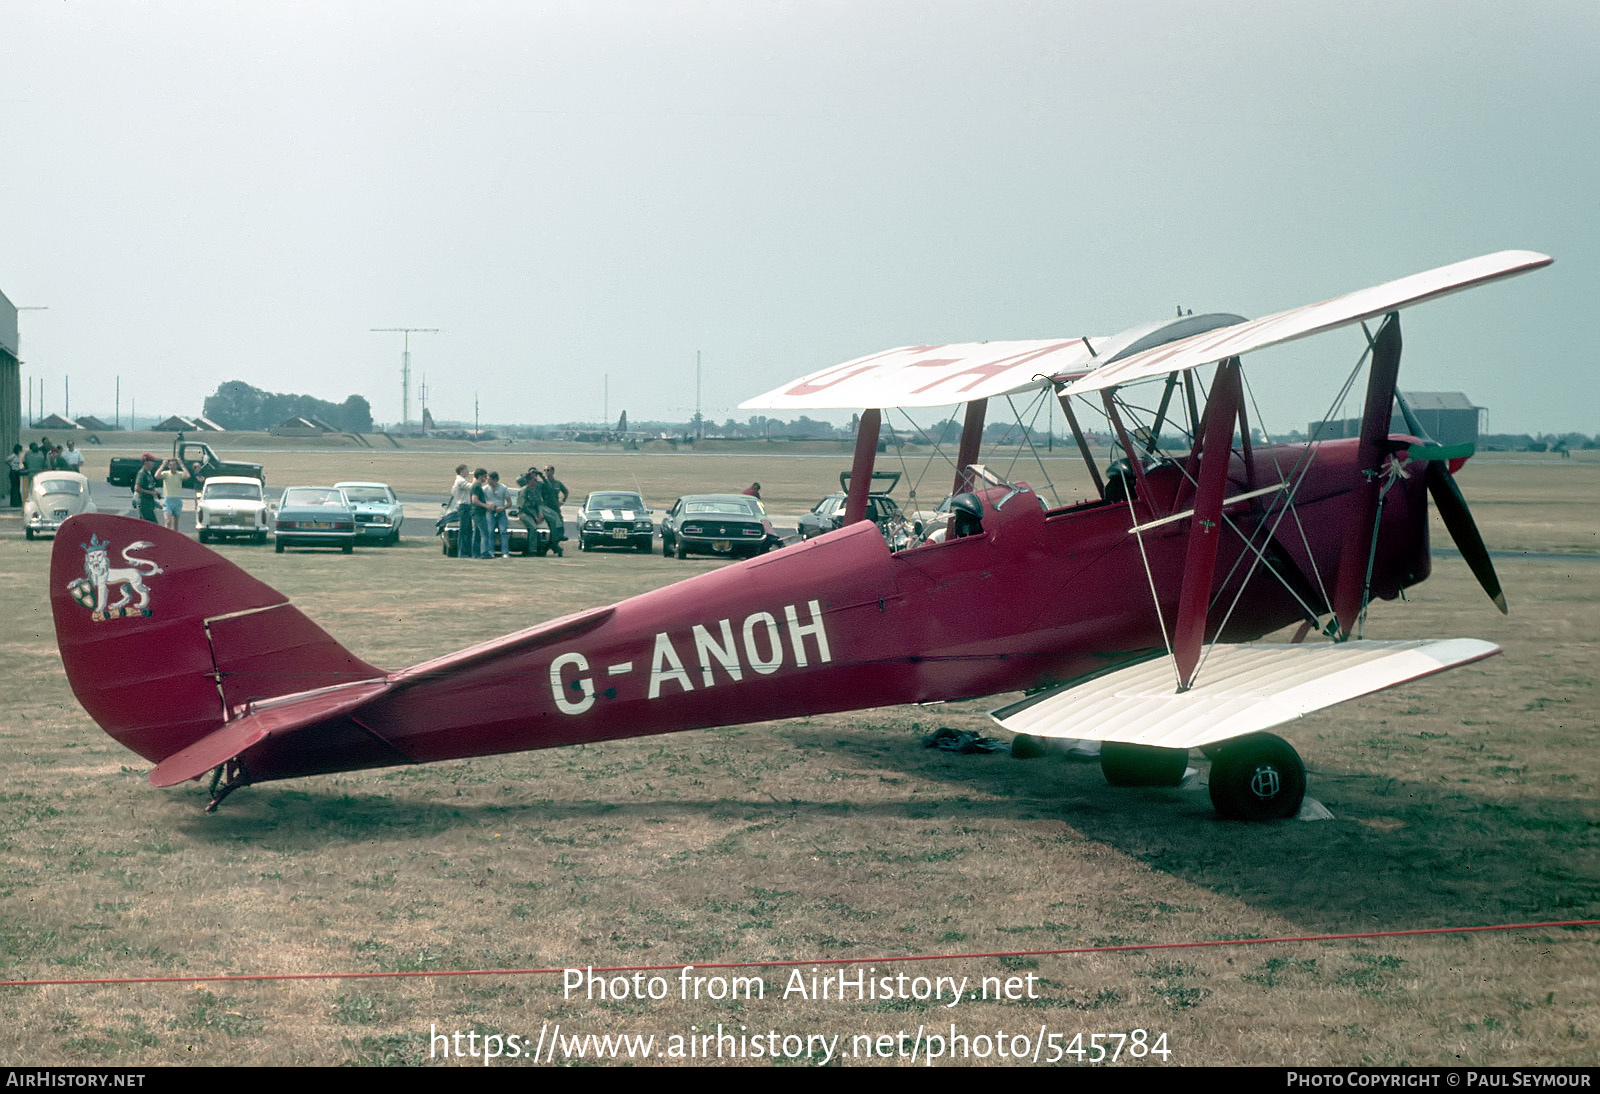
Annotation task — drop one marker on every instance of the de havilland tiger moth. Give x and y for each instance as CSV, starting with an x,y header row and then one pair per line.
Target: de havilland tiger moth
x,y
1129,619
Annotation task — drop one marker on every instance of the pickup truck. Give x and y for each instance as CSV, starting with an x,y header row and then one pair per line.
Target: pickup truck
x,y
196,456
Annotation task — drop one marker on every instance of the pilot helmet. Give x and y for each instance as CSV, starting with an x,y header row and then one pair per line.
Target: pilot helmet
x,y
969,504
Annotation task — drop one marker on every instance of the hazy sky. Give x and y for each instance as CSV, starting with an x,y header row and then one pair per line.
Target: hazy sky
x,y
205,191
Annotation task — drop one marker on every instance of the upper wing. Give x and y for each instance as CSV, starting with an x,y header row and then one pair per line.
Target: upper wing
x,y
926,376
914,376
1286,326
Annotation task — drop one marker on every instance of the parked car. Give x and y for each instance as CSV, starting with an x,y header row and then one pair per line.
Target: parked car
x,y
379,513
731,525
899,530
615,518
315,516
55,496
231,506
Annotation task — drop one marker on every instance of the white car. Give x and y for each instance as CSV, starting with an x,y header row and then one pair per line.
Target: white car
x,y
230,506
55,496
379,513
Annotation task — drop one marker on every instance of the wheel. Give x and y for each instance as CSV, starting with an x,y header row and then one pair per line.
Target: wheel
x,y
644,546
279,546
205,536
543,548
1257,778
527,546
678,550
394,538
583,542
1142,765
348,548
1026,747
28,532
260,537
666,548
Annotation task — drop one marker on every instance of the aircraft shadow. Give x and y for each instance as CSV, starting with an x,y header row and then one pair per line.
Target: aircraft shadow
x,y
1396,855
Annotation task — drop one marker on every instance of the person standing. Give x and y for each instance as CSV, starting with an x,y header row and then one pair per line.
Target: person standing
x,y
530,508
499,498
14,464
552,493
461,504
32,464
171,476
73,458
146,488
478,507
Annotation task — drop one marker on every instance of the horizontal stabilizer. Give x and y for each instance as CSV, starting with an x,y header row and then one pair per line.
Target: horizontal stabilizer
x,y
1240,689
264,719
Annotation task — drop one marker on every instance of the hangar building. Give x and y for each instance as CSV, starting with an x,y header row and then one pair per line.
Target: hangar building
x,y
1448,416
10,377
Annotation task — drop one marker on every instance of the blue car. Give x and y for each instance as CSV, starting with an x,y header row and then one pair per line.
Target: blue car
x,y
315,516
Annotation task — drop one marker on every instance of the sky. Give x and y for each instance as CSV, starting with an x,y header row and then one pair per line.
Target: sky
x,y
583,196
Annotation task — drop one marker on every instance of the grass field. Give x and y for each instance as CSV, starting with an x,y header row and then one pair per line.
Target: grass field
x,y
1469,798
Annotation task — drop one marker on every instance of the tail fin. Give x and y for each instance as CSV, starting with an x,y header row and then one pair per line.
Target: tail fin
x,y
163,639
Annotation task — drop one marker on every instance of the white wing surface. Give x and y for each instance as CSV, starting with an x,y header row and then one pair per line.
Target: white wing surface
x,y
1309,319
1243,689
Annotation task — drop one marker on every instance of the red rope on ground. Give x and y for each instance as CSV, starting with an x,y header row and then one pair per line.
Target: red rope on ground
x,y
244,977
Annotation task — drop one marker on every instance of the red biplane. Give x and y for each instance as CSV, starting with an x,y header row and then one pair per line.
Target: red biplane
x,y
1122,617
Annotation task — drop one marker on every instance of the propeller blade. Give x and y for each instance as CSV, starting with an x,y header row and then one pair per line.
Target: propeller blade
x,y
1458,519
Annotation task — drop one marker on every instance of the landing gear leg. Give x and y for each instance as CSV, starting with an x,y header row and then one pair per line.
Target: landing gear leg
x,y
225,779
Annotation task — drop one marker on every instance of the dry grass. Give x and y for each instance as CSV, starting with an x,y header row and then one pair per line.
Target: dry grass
x,y
1466,799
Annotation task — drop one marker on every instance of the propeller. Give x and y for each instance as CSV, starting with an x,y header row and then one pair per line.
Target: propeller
x,y
1451,505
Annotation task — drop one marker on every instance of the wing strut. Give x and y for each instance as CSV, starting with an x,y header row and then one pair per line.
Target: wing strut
x,y
1205,529
971,440
855,506
1083,445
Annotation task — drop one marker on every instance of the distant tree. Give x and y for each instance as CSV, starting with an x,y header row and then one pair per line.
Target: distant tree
x,y
237,405
355,415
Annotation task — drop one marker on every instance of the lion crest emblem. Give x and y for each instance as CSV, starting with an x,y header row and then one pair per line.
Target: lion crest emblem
x,y
93,590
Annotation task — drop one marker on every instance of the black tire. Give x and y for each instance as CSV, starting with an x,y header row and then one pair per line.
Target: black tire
x,y
205,537
260,538
678,549
1026,747
1142,765
1257,778
666,548
278,546
28,532
394,538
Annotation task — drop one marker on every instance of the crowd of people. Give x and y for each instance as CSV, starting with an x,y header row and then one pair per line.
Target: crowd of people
x,y
481,505
41,455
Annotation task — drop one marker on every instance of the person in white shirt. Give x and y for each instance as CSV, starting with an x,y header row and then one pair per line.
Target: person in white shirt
x,y
461,503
